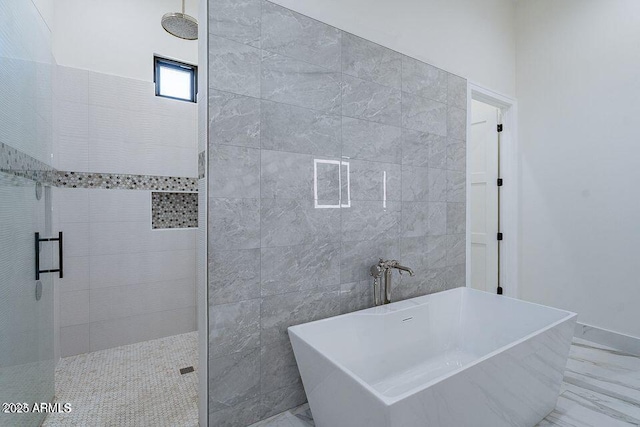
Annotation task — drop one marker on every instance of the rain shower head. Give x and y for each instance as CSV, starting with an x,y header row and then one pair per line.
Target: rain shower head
x,y
180,25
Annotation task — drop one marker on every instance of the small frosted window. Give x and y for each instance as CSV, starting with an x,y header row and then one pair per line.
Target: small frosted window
x,y
175,80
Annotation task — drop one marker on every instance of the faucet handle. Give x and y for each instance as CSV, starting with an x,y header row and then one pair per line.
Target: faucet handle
x,y
376,270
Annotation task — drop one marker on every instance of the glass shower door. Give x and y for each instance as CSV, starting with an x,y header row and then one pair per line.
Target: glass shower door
x,y
26,145
26,305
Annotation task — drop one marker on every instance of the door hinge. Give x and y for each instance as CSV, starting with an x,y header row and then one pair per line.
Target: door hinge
x,y
500,128
499,182
500,236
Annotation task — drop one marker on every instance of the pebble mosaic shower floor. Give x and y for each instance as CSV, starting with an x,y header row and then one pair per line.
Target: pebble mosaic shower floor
x,y
136,385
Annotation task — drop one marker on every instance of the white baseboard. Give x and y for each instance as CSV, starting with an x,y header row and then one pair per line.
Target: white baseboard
x,y
616,340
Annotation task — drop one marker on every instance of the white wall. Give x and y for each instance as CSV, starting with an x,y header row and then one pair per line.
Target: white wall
x,y
118,37
471,38
578,95
124,282
45,9
113,124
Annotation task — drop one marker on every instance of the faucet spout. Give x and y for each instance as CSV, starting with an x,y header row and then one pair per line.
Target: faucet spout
x,y
383,269
403,268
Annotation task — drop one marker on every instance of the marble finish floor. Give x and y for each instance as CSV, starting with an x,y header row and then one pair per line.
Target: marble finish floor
x,y
601,388
135,385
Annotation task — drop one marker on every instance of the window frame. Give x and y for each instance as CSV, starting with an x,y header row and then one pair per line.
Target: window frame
x,y
159,62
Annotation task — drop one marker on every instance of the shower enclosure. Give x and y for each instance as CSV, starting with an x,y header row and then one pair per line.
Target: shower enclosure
x,y
26,304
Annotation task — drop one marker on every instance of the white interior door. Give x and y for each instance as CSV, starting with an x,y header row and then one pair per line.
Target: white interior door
x,y
484,196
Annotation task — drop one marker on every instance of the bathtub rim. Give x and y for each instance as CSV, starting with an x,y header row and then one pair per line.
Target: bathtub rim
x,y
407,304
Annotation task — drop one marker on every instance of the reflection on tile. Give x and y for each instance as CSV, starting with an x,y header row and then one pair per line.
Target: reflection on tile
x,y
599,388
327,191
300,83
292,34
299,130
370,101
369,61
367,180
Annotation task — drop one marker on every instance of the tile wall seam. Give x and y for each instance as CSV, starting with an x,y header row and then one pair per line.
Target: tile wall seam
x,y
260,322
130,284
135,315
402,136
336,115
207,216
318,156
341,243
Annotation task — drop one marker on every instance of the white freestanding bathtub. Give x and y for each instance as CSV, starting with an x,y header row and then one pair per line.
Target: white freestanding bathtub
x,y
452,359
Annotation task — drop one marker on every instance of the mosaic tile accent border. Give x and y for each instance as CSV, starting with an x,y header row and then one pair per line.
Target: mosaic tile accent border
x,y
124,181
202,164
17,163
174,210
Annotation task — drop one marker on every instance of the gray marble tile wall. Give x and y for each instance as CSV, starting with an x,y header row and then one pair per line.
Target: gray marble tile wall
x,y
305,117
